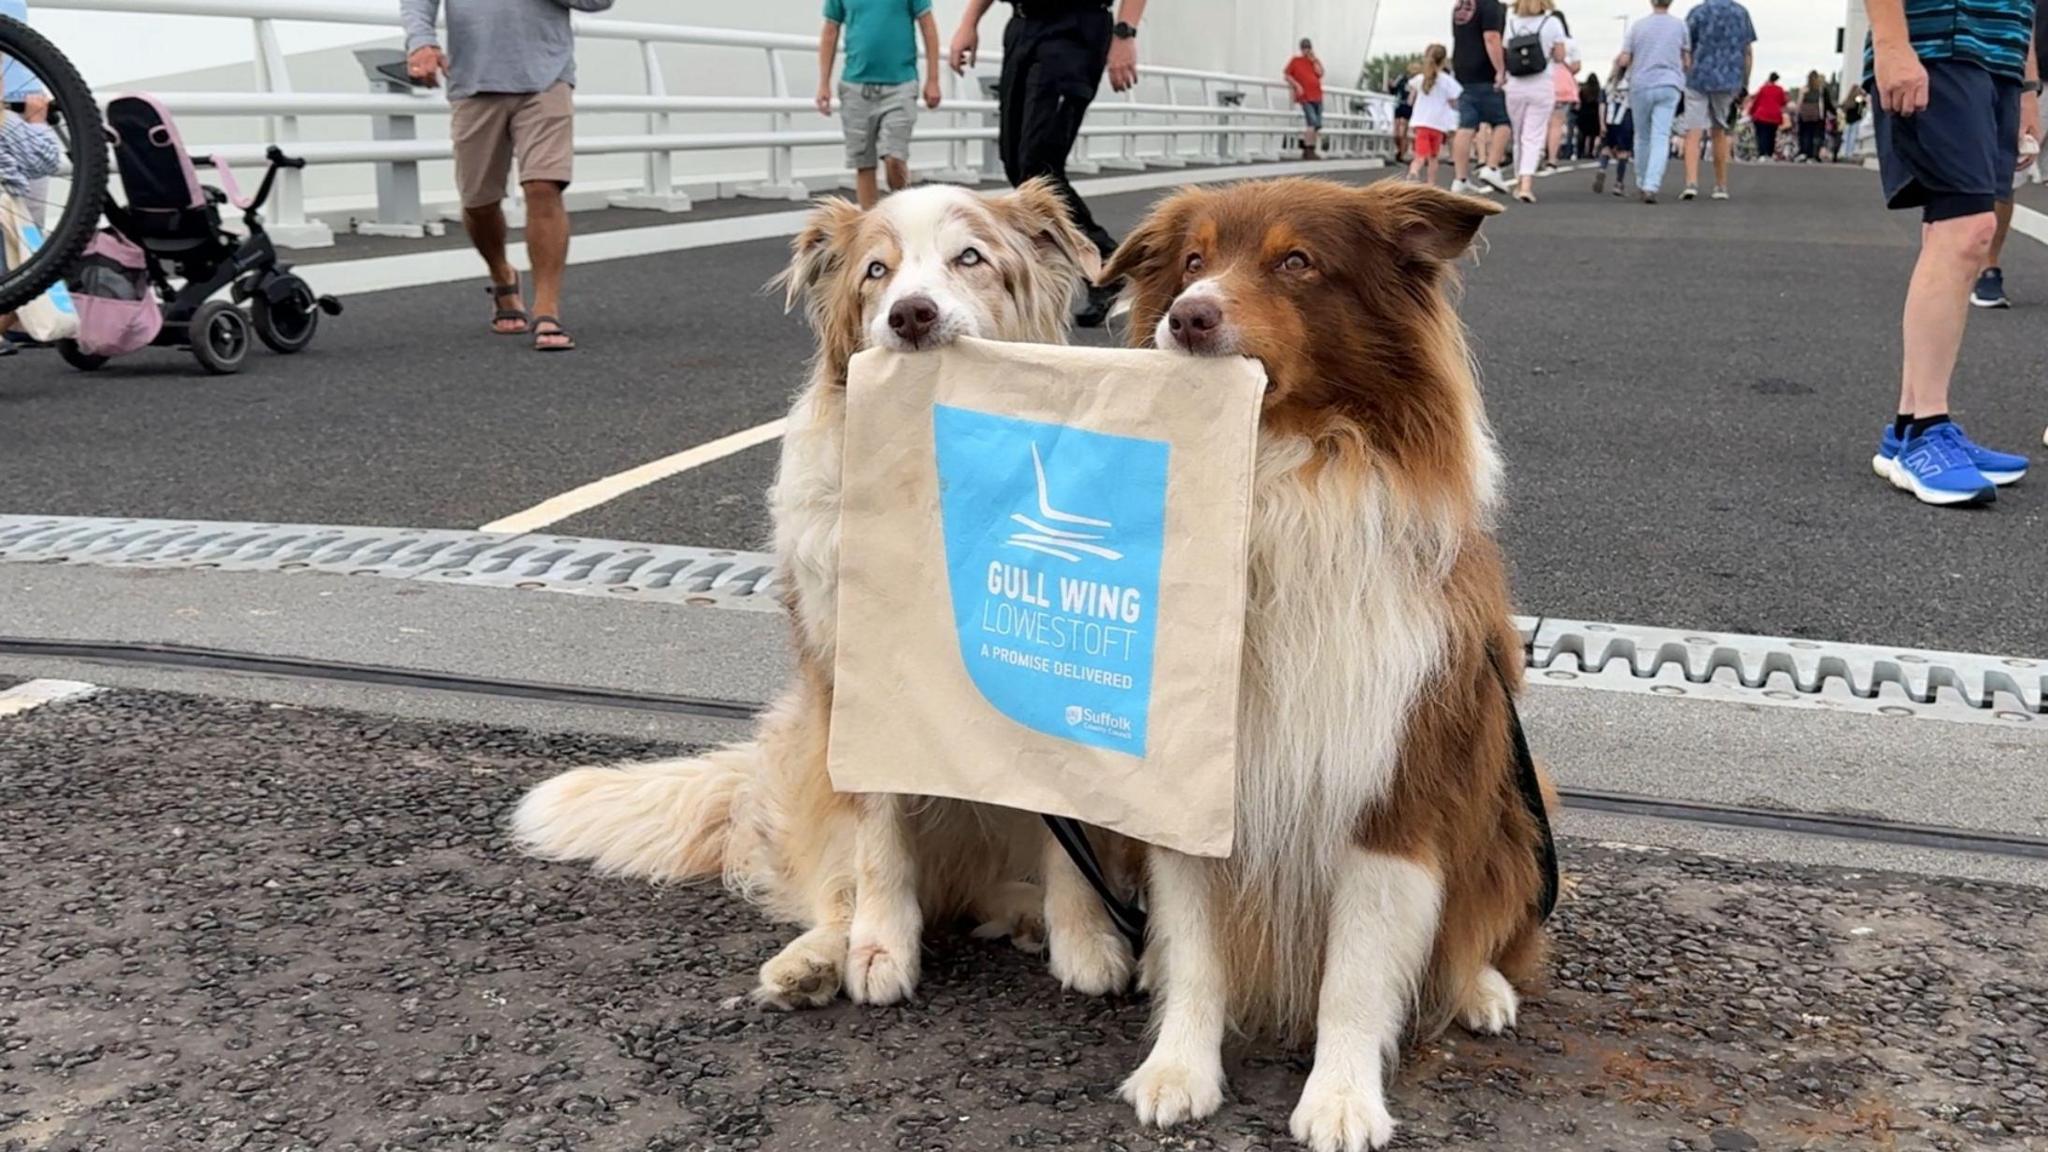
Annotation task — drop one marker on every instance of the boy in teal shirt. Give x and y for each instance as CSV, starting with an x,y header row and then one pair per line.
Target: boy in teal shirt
x,y
878,91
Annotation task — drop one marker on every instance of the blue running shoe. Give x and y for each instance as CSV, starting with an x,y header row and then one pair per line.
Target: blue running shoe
x,y
2001,468
1990,290
1935,466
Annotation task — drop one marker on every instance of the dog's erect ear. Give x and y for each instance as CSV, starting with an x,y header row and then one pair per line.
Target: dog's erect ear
x,y
1425,222
1156,238
818,248
1037,210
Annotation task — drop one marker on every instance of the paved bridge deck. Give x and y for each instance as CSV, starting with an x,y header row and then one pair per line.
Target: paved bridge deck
x,y
254,891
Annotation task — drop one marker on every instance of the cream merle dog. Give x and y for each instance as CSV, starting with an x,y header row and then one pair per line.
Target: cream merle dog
x,y
1390,868
861,874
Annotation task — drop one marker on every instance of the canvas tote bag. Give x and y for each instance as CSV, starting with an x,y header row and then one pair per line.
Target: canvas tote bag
x,y
1042,583
47,318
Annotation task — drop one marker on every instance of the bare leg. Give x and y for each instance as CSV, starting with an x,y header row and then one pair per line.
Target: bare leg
x,y
882,962
1382,927
1497,146
1183,1077
547,246
1692,158
1952,253
486,228
1461,155
898,170
1724,152
2002,210
864,188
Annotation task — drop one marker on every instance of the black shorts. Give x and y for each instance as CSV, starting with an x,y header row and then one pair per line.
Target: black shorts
x,y
1955,157
1621,135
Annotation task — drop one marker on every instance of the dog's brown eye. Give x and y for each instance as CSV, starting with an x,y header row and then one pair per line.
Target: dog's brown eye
x,y
1295,262
1194,263
877,270
968,258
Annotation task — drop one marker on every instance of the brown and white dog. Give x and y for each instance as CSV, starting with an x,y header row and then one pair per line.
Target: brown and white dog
x,y
1387,867
861,874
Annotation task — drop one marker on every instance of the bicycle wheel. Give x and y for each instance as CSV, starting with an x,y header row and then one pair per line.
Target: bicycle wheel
x,y
71,211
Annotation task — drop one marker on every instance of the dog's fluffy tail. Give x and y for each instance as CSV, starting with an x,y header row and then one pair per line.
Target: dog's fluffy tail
x,y
668,820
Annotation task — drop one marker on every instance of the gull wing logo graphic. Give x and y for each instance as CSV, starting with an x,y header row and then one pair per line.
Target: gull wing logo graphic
x,y
1065,543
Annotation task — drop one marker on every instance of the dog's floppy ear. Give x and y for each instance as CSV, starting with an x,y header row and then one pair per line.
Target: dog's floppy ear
x,y
1037,210
818,248
1156,238
1425,222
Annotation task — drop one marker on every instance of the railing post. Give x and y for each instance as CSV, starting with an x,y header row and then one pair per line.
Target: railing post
x,y
1126,157
286,223
1208,149
958,169
781,183
660,194
400,211
1169,143
992,151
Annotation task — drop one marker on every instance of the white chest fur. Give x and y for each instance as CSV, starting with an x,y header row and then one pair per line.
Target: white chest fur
x,y
1345,625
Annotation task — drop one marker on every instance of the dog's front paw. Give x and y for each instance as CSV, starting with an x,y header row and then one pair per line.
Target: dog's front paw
x,y
1338,1116
1490,1006
1092,963
804,975
1167,1090
878,973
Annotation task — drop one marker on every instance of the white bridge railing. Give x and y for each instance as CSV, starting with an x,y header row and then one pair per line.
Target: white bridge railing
x,y
1196,117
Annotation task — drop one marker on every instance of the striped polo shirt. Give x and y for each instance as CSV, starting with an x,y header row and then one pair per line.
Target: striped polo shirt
x,y
1992,34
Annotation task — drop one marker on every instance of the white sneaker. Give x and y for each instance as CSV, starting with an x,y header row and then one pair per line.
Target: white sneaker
x,y
1470,188
1492,178
1692,192
1720,193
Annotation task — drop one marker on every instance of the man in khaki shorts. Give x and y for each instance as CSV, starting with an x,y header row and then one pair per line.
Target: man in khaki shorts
x,y
511,72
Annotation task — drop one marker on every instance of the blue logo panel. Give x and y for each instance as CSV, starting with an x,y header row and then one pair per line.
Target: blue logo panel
x,y
1053,538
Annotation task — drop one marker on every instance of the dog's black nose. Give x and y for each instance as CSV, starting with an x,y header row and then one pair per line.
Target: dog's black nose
x,y
912,318
1194,321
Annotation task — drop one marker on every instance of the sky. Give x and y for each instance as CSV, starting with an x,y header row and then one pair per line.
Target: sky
x,y
1793,36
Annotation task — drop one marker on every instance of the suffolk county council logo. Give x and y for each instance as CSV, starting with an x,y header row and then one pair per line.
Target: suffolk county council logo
x,y
1053,539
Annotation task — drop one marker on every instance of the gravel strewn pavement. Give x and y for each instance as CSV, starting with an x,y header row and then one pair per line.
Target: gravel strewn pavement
x,y
233,925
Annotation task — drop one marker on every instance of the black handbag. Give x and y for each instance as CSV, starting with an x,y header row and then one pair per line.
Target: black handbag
x,y
1525,55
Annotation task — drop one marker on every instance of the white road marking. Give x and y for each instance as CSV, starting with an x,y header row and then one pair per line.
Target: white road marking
x,y
36,693
444,265
558,508
2028,222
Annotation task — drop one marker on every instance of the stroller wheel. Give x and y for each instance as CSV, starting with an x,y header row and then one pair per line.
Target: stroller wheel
x,y
286,315
220,337
68,349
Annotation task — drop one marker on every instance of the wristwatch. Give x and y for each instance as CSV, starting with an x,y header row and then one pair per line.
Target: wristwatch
x,y
1124,31
2031,87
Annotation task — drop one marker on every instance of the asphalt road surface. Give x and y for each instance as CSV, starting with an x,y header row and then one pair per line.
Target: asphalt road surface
x,y
1688,396
252,926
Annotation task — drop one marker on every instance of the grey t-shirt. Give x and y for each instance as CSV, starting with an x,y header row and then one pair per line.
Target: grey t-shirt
x,y
500,45
1656,47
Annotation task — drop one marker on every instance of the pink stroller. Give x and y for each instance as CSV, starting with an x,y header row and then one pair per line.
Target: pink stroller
x,y
171,228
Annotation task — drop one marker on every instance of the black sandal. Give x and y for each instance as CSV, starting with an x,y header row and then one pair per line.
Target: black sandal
x,y
501,314
558,333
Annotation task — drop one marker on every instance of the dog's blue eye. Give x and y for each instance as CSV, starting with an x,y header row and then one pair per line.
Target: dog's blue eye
x,y
1295,262
877,270
1194,263
970,257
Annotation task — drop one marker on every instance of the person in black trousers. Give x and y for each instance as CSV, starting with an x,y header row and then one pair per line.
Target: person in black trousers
x,y
1054,56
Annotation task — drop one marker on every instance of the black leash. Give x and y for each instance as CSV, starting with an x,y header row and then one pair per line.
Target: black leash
x,y
1130,919
1126,915
1531,788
